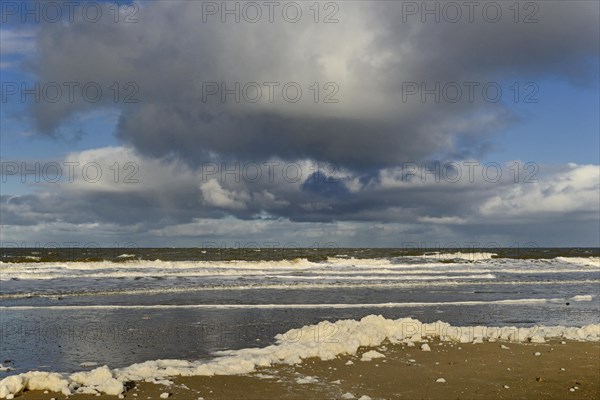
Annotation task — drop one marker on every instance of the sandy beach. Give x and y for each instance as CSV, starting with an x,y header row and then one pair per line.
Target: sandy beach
x,y
471,371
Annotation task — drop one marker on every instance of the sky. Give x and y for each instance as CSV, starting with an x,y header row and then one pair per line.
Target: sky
x,y
349,124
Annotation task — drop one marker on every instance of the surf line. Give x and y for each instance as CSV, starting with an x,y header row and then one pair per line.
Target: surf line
x,y
296,306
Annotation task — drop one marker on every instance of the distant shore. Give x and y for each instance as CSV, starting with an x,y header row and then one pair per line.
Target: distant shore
x,y
497,370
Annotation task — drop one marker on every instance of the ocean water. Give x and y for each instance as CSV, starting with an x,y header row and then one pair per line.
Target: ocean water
x,y
67,309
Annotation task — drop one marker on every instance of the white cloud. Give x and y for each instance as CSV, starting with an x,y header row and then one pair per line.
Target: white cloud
x,y
214,195
577,189
122,169
17,42
442,220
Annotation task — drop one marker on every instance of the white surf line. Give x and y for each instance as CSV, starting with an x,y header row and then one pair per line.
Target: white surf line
x,y
271,275
376,278
359,276
295,306
433,271
280,273
300,286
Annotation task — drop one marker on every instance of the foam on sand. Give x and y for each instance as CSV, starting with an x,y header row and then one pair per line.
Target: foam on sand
x,y
325,340
370,355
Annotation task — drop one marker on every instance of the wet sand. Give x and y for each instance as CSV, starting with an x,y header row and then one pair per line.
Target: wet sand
x,y
471,371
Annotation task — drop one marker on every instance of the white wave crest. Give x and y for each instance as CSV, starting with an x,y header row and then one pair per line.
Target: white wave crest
x,y
474,256
581,261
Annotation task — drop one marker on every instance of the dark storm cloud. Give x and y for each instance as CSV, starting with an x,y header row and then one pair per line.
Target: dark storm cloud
x,y
370,54
260,136
559,39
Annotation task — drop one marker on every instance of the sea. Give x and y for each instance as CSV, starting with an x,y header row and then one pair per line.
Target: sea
x,y
69,309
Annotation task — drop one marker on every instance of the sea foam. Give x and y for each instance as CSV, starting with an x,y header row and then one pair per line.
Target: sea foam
x,y
325,341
